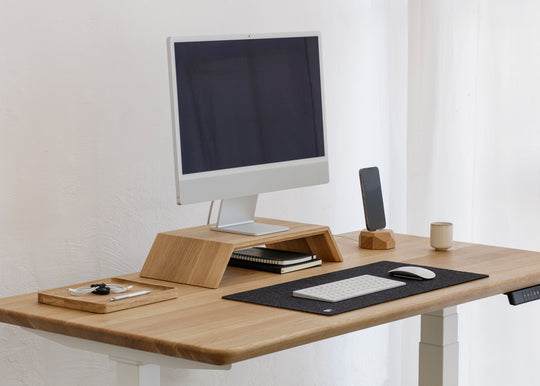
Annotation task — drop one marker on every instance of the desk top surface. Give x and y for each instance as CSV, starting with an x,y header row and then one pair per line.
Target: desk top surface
x,y
200,325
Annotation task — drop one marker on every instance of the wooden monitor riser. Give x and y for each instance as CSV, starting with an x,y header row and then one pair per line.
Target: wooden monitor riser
x,y
199,256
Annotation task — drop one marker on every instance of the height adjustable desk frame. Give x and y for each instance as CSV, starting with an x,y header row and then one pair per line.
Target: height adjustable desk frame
x,y
184,332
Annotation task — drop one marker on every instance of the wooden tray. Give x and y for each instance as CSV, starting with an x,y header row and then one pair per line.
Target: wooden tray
x,y
102,304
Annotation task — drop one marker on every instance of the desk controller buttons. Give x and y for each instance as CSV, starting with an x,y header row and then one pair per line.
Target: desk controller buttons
x,y
524,295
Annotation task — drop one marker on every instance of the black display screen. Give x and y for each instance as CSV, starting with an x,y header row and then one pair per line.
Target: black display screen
x,y
248,102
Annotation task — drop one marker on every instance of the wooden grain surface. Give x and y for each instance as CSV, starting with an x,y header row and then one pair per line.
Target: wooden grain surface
x,y
199,255
201,326
61,297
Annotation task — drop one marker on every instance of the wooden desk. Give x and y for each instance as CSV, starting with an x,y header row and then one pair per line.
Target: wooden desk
x,y
187,327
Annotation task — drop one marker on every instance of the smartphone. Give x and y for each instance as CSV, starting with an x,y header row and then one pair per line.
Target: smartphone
x,y
370,183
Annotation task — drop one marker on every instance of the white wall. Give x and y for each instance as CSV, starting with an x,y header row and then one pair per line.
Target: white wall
x,y
86,164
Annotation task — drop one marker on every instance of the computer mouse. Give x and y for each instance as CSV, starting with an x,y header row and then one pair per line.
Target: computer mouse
x,y
411,272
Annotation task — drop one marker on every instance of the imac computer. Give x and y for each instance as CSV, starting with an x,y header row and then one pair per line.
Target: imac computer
x,y
248,118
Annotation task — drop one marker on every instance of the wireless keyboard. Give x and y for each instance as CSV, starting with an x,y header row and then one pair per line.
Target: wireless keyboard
x,y
347,288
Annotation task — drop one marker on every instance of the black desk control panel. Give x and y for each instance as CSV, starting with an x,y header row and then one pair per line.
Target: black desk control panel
x,y
524,295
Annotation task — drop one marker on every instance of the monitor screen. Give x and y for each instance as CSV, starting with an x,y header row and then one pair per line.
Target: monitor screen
x,y
248,115
248,102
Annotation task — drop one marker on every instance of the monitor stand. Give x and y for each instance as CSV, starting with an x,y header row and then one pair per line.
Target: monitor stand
x,y
236,215
199,256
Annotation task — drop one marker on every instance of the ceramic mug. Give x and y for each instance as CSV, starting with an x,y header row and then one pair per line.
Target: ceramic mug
x,y
441,235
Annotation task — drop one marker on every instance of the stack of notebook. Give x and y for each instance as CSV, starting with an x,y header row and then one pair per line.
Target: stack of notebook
x,y
272,260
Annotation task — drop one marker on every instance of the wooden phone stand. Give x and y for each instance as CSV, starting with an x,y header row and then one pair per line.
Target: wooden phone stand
x,y
379,239
199,256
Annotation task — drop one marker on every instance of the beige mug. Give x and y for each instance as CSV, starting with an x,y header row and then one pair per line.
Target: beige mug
x,y
441,235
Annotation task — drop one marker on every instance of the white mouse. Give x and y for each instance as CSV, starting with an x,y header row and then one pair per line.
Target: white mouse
x,y
411,272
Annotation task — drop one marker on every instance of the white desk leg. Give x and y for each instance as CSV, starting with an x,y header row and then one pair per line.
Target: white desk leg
x,y
439,348
135,373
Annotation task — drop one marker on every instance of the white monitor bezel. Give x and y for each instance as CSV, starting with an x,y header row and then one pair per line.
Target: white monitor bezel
x,y
248,180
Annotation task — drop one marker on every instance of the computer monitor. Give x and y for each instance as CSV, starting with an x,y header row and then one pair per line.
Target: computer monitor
x,y
248,118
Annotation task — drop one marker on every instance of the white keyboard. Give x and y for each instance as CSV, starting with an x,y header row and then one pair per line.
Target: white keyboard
x,y
347,288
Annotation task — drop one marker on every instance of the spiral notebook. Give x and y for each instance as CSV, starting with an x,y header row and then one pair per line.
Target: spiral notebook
x,y
271,256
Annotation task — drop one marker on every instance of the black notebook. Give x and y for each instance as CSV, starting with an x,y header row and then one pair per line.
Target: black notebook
x,y
271,256
275,268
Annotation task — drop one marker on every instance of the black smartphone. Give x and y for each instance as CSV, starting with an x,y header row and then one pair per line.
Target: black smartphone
x,y
370,183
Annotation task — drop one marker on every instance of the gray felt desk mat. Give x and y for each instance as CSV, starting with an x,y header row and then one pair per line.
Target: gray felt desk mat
x,y
280,295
